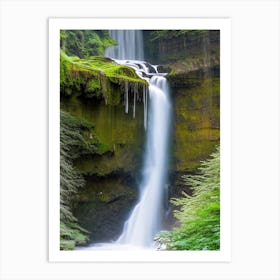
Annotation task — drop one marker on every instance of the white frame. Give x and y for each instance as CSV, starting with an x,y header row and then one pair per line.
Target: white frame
x,y
24,156
222,24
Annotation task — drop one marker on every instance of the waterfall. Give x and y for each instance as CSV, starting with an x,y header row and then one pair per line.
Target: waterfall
x,y
145,219
130,45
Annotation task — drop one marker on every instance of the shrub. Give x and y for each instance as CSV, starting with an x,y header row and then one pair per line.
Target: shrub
x,y
198,214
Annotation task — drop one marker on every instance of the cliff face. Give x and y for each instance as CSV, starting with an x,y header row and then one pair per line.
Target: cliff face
x,y
196,97
113,170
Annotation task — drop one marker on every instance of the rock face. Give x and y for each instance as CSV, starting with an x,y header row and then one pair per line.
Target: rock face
x,y
113,171
104,203
196,130
196,103
183,50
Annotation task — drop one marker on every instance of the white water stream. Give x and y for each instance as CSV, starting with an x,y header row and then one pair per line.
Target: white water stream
x,y
145,220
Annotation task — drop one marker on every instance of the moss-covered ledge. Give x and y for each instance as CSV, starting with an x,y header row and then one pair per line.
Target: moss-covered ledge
x,y
97,77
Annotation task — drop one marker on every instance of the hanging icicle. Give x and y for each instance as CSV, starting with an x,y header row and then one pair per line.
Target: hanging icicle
x,y
134,98
134,101
145,108
126,96
146,98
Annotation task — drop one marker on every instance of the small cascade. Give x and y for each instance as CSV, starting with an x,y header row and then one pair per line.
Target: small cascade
x,y
145,71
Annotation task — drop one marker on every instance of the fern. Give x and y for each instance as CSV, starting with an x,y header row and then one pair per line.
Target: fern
x,y
198,214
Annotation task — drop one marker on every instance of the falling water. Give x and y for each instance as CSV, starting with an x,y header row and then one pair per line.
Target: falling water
x,y
130,45
146,218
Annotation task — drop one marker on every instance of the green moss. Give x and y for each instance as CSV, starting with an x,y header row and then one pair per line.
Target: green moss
x,y
94,88
115,72
117,136
97,77
197,132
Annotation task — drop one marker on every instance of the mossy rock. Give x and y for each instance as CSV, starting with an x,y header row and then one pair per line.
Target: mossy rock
x,y
97,77
197,124
118,137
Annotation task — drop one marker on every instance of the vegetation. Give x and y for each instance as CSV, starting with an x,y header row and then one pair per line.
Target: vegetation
x,y
199,214
85,43
72,145
96,77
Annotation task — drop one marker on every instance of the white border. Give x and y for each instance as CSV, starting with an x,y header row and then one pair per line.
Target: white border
x,y
55,255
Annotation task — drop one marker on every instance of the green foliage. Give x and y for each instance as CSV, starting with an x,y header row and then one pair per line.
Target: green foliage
x,y
199,214
85,43
77,136
71,143
71,234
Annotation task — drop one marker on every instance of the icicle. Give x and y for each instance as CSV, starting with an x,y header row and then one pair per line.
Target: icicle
x,y
145,110
146,104
134,98
126,97
134,101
